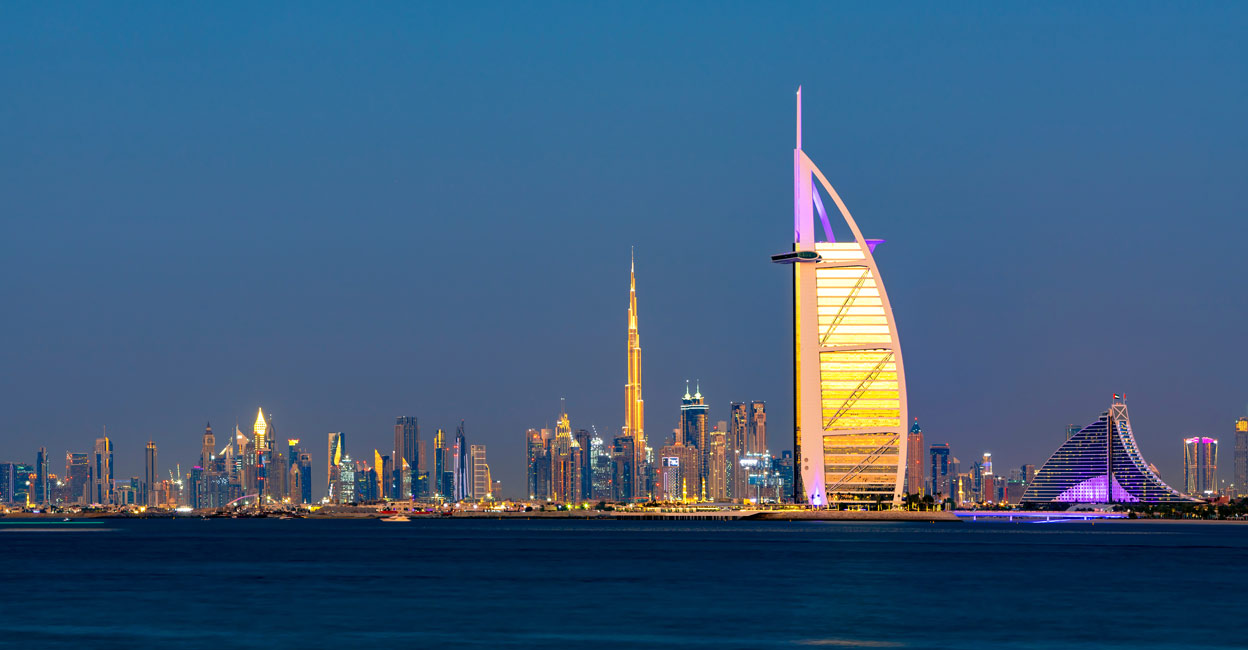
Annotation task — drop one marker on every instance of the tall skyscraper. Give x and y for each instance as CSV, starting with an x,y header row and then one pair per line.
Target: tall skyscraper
x,y
916,482
150,477
850,390
444,478
583,463
562,472
1200,465
463,477
716,466
207,447
40,488
102,472
538,465
260,431
623,471
756,428
305,477
939,485
407,447
78,477
481,479
693,433
634,406
334,461
1241,456
735,480
600,456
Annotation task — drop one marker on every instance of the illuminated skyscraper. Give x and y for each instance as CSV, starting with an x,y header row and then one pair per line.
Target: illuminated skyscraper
x,y
78,477
693,433
207,447
600,457
260,432
444,478
334,457
849,381
407,447
634,406
915,480
538,465
562,472
1100,464
1241,456
102,472
939,481
463,473
756,428
1200,465
150,477
481,480
40,488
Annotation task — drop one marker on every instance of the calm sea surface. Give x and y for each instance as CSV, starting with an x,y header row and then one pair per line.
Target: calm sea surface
x,y
612,584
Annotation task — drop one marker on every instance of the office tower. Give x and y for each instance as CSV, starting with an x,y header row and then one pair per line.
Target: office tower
x,y
292,451
692,433
1200,465
988,463
383,469
150,477
756,428
334,458
850,389
305,477
634,406
481,487
916,482
463,476
938,483
78,477
443,478
715,465
346,480
294,482
207,447
40,488
102,472
785,466
1241,456
562,473
677,478
600,457
1071,430
1100,464
276,472
735,480
538,465
421,486
623,471
1028,472
583,463
406,447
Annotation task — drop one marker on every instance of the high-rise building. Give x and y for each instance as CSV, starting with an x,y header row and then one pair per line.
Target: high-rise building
x,y
678,469
444,477
938,481
335,457
563,475
634,406
1200,465
40,488
345,492
481,488
756,428
623,472
463,476
78,477
207,447
102,472
150,477
260,431
850,389
988,463
600,457
1071,430
305,478
538,465
1028,472
693,433
407,447
916,481
583,463
716,465
1241,456
1100,464
735,480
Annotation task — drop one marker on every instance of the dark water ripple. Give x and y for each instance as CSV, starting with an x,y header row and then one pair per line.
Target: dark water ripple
x,y
612,584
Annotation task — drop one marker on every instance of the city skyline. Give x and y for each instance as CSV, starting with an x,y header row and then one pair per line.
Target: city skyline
x,y
153,307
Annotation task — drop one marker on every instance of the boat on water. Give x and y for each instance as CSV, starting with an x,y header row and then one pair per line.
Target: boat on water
x,y
396,518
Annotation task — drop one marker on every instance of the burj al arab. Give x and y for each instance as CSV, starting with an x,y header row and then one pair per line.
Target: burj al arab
x,y
849,382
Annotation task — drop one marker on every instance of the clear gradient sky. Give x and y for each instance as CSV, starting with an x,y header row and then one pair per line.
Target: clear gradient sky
x,y
346,213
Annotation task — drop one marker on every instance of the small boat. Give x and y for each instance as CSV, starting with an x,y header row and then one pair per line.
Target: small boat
x,y
396,518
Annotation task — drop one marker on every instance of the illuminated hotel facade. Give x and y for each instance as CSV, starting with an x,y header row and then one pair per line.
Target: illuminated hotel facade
x,y
1100,464
850,411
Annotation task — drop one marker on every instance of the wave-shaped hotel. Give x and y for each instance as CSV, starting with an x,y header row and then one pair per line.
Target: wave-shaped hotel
x,y
1101,464
849,381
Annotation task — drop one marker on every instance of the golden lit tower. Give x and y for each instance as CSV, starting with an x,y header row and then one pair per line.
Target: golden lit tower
x,y
634,406
260,429
849,382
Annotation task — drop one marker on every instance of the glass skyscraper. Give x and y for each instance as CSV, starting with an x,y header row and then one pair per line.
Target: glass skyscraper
x,y
1200,465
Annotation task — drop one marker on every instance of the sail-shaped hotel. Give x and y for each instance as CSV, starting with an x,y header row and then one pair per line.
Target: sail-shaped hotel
x,y
849,381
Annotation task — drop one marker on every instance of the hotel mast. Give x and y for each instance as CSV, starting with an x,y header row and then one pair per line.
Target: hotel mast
x,y
634,406
849,383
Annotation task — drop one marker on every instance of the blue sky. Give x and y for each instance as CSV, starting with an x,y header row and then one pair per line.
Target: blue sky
x,y
348,213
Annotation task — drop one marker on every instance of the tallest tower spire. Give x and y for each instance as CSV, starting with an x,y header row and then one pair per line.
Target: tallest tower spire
x,y
634,407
